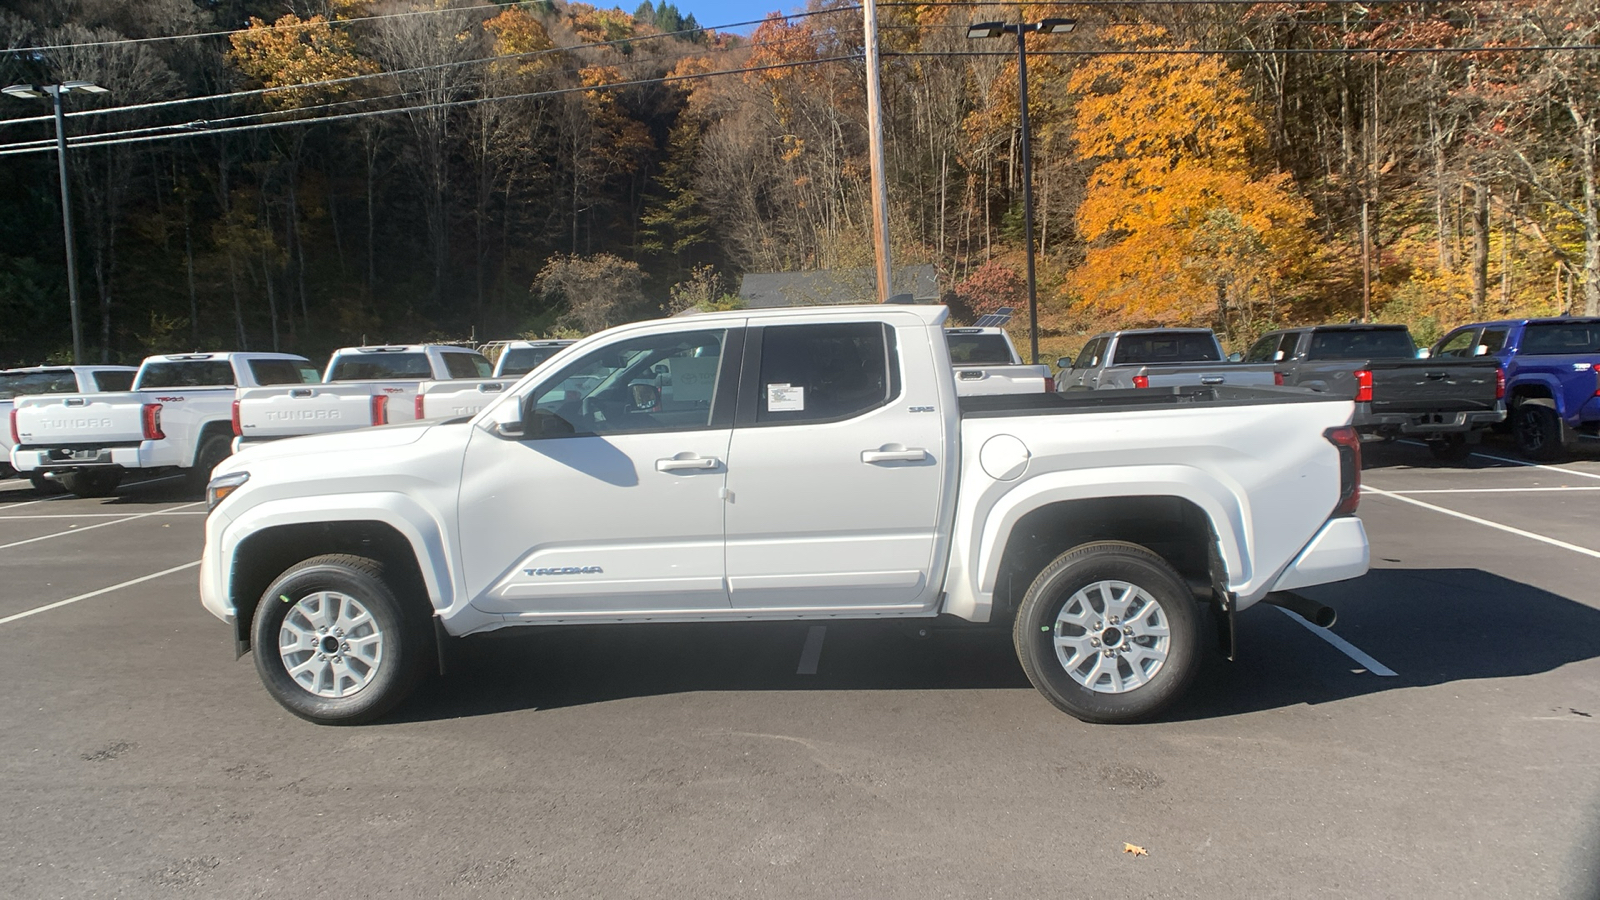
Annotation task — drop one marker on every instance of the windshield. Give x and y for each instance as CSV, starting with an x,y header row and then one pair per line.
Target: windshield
x,y
186,373
1362,343
20,384
1555,338
381,367
522,360
1193,346
979,349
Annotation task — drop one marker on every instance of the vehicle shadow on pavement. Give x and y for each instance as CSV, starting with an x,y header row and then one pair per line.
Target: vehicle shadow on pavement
x,y
1411,454
166,489
1431,626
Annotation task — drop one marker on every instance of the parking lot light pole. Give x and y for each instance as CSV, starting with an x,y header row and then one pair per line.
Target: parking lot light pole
x,y
54,92
993,30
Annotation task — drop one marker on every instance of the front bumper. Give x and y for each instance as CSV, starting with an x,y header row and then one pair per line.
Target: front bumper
x,y
1339,551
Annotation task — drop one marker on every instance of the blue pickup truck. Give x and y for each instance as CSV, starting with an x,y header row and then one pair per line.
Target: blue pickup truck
x,y
1552,371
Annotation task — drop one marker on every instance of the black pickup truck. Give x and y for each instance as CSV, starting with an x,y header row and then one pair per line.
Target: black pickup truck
x,y
1446,403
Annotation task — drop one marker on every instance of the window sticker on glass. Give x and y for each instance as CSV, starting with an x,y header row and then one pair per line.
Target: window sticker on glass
x,y
785,398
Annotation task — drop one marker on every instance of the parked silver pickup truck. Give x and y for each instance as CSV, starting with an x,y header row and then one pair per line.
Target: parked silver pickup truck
x,y
1154,358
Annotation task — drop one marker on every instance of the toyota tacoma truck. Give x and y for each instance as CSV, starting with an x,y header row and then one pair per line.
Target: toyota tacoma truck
x,y
832,472
1552,377
1448,403
176,416
30,380
362,386
448,399
1154,357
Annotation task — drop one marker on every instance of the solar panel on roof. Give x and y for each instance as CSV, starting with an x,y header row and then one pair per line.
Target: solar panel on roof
x,y
995,319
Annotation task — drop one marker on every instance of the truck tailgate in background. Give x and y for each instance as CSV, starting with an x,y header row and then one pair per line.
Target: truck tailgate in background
x,y
98,419
318,408
449,399
1423,385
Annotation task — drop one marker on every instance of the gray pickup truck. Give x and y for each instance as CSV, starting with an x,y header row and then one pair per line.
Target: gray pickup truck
x,y
1446,403
1154,358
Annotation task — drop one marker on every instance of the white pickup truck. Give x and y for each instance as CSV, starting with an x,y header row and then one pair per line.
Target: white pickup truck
x,y
449,399
362,386
29,380
176,415
832,472
986,363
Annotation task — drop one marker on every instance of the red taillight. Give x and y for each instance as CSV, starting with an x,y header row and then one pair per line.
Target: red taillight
x,y
380,409
1277,378
418,407
15,437
1499,384
1596,382
152,422
238,430
1348,441
1049,388
1141,381
1363,386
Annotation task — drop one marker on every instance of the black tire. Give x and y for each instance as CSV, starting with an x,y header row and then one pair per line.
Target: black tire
x,y
1538,430
400,660
1037,627
214,448
1452,448
91,482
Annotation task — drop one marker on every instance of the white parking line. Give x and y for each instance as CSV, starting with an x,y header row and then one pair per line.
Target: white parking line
x,y
1506,528
1494,490
191,512
812,651
106,590
1534,465
1345,647
57,534
32,502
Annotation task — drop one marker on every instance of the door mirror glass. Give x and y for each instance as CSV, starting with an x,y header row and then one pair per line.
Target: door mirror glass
x,y
1277,356
1480,350
1424,353
1235,357
1064,362
646,396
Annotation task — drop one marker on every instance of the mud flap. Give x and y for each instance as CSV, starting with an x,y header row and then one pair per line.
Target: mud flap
x,y
441,644
1224,604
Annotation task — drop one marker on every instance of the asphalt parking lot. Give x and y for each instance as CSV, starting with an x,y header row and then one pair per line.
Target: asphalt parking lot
x,y
1442,741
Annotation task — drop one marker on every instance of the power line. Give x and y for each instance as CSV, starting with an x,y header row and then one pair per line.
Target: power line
x,y
1242,51
194,129
349,79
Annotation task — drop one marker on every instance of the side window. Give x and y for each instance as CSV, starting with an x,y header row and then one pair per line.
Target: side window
x,y
659,382
1493,341
1262,350
1089,356
1459,344
113,381
1287,346
824,373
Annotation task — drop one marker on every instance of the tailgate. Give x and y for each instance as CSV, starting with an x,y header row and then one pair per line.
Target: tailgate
x,y
311,409
97,420
451,399
1217,373
1422,385
978,381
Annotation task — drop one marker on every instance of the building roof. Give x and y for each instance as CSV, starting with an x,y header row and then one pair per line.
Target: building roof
x,y
834,287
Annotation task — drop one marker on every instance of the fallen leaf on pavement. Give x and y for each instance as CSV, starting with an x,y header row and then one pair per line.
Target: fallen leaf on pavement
x,y
1135,849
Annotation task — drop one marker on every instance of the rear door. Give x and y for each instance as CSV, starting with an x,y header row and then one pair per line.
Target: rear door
x,y
836,471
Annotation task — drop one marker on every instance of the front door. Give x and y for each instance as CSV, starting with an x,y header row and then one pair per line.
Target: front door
x,y
611,499
836,469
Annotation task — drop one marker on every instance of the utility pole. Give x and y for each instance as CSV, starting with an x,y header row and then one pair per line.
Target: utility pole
x,y
880,186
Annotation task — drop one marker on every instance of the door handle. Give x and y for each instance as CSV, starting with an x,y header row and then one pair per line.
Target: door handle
x,y
1212,379
915,454
680,463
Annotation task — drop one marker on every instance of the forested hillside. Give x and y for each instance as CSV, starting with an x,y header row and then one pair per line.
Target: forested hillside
x,y
308,174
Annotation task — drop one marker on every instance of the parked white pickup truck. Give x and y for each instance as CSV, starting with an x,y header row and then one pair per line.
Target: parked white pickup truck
x,y
362,386
449,399
29,380
986,362
175,416
830,473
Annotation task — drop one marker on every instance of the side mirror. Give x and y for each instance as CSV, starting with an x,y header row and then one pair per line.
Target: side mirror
x,y
1424,353
646,397
1064,362
1235,357
506,420
1480,350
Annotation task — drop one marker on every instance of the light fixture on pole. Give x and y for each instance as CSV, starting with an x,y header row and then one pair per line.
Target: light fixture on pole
x,y
54,92
985,30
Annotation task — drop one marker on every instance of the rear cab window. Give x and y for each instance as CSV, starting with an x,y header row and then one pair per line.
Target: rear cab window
x,y
522,360
269,372
25,384
381,366
186,373
978,349
826,372
466,365
109,382
1561,338
1362,343
1140,349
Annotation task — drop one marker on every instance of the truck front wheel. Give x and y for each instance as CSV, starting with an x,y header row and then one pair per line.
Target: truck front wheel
x,y
333,644
1109,633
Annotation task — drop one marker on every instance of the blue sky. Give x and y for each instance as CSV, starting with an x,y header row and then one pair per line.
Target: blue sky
x,y
719,12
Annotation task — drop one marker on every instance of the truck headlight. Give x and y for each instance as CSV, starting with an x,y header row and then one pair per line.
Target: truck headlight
x,y
222,486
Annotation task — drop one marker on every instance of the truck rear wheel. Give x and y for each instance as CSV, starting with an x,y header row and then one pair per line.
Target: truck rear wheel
x,y
333,644
92,482
1109,633
213,450
1538,429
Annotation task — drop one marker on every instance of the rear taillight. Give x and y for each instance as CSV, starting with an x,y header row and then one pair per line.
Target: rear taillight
x,y
1596,382
1363,386
1049,388
380,409
238,430
16,438
1277,378
417,407
1349,443
1141,381
151,417
1499,384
